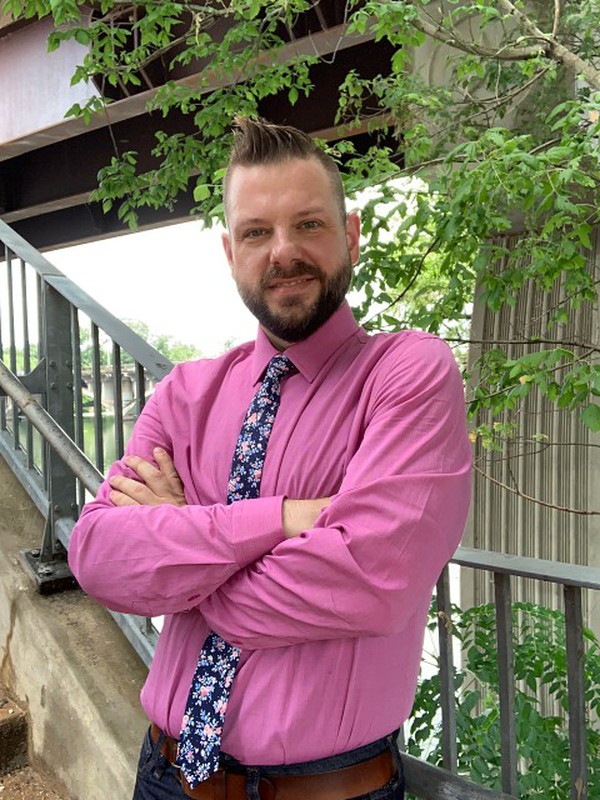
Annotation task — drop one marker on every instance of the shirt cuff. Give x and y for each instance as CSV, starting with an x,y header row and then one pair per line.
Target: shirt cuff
x,y
257,527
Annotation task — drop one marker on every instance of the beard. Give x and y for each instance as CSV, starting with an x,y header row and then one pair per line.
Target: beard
x,y
296,321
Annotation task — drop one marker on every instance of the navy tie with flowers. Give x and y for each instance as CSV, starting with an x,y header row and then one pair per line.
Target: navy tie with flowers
x,y
202,725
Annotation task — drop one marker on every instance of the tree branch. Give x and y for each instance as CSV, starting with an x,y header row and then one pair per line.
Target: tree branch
x,y
556,24
509,388
558,342
507,53
531,499
410,283
553,48
541,447
493,103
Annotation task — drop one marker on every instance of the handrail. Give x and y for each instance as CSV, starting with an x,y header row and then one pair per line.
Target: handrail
x,y
561,572
65,447
138,348
66,465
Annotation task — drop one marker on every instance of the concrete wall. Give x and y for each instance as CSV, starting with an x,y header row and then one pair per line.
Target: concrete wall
x,y
35,84
67,661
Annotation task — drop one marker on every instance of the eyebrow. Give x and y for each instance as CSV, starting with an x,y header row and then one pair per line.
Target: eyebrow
x,y
250,221
307,212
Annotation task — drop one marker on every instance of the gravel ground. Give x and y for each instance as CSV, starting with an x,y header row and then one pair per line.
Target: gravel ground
x,y
25,784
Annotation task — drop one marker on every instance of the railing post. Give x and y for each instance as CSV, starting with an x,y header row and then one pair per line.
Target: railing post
x,y
12,344
447,698
49,563
576,692
506,683
2,398
97,380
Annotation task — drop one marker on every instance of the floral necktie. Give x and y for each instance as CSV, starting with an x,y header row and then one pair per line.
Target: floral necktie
x,y
202,724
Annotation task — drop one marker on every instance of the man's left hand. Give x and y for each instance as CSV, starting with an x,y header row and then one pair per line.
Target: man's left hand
x,y
160,485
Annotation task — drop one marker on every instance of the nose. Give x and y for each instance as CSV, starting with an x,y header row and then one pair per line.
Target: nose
x,y
285,248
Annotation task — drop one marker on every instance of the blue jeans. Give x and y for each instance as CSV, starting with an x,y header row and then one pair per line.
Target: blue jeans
x,y
158,780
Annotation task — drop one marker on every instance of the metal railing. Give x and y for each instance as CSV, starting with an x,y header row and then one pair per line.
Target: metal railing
x,y
51,334
575,579
49,398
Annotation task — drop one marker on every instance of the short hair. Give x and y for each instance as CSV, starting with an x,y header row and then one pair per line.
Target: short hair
x,y
256,141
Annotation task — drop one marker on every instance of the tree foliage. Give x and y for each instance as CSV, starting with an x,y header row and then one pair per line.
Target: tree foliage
x,y
166,345
495,110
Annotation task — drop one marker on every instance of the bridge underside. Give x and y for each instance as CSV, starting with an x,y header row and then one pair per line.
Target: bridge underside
x,y
49,164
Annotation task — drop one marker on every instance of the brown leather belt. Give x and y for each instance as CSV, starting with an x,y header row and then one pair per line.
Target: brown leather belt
x,y
339,784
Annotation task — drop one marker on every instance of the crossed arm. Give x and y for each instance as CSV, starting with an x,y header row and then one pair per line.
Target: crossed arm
x,y
161,485
268,572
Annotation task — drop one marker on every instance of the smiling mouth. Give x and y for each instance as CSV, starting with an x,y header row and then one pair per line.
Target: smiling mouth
x,y
291,283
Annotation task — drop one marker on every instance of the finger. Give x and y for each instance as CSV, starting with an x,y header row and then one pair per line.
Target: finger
x,y
141,467
159,483
120,499
166,466
138,492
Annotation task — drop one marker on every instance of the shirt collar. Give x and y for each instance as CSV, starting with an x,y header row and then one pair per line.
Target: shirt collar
x,y
309,355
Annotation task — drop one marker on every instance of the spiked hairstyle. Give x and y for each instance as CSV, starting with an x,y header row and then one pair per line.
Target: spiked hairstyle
x,y
257,141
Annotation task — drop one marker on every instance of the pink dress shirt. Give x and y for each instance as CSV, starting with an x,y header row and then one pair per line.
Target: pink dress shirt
x,y
330,623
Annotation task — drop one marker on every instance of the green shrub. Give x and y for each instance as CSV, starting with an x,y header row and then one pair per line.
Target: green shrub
x,y
542,734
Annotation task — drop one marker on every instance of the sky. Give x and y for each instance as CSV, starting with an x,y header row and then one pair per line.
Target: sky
x,y
175,279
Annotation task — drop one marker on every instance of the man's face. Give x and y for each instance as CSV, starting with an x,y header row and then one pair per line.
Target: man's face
x,y
290,253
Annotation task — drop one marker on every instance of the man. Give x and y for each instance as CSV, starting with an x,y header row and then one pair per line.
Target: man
x,y
318,583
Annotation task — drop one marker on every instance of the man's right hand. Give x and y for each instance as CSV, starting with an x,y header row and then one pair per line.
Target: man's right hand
x,y
301,515
159,485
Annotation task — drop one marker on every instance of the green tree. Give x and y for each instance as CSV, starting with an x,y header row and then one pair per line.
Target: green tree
x,y
166,345
509,126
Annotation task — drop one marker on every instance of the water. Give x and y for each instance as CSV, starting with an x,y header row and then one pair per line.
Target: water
x,y
108,442
89,443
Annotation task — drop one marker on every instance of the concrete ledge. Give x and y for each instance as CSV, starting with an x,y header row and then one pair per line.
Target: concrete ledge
x,y
64,658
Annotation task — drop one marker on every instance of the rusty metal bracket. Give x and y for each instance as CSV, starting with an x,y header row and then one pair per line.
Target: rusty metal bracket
x,y
50,576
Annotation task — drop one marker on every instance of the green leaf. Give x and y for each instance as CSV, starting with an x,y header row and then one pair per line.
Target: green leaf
x,y
583,232
201,192
590,416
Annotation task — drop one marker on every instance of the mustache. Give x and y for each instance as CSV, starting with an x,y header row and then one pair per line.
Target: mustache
x,y
299,269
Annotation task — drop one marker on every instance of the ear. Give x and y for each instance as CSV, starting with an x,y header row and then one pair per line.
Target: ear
x,y
353,235
227,247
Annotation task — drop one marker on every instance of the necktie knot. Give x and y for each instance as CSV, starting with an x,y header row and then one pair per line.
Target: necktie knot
x,y
278,367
